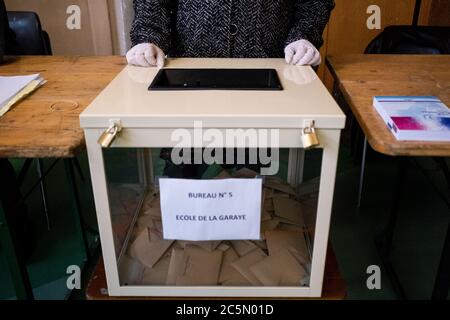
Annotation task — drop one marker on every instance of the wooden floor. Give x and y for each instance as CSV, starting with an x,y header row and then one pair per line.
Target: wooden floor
x,y
334,285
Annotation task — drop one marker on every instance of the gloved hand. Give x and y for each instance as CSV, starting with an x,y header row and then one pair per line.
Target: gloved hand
x,y
302,53
146,55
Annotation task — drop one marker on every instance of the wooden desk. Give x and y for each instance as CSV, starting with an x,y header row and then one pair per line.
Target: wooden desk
x,y
46,124
361,77
333,288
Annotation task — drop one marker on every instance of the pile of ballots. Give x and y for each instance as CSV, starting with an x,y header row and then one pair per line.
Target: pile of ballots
x,y
285,241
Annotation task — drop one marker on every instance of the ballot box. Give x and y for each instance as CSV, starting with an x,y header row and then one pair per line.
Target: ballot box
x,y
214,177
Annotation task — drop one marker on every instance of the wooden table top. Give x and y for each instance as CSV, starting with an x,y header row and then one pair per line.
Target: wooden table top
x,y
46,124
361,77
333,289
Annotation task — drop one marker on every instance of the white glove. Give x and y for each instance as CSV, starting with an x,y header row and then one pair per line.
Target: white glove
x,y
146,55
302,53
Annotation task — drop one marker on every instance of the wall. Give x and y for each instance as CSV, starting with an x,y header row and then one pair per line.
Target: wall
x,y
94,37
347,30
122,14
440,13
106,24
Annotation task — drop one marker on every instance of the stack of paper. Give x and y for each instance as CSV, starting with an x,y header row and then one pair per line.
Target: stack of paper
x,y
415,118
16,88
151,260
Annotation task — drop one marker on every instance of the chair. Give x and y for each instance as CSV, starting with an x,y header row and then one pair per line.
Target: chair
x,y
411,40
3,29
26,37
29,38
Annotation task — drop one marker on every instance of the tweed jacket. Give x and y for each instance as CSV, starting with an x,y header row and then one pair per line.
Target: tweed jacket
x,y
229,28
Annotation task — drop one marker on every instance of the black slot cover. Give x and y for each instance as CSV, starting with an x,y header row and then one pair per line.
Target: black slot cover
x,y
216,79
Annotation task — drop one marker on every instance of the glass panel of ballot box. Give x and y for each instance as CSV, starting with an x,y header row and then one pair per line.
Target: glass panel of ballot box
x,y
281,258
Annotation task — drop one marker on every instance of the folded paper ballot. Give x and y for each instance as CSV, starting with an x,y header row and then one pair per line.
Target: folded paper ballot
x,y
243,247
288,210
261,244
265,215
278,185
177,266
158,274
13,89
207,245
150,260
269,225
269,273
202,267
281,240
149,247
243,264
227,272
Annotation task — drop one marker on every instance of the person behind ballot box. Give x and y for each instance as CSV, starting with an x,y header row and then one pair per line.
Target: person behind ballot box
x,y
228,29
290,29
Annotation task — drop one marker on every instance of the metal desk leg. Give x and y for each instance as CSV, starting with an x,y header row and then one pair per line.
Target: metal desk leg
x,y
361,176
442,282
40,170
76,206
17,265
384,243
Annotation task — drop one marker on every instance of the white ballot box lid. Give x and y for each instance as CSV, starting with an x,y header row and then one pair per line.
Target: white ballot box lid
x,y
303,98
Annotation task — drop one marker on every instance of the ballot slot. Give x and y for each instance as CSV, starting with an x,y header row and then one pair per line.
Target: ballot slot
x,y
145,258
216,79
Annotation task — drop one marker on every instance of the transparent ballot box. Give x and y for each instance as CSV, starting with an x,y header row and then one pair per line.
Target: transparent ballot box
x,y
219,191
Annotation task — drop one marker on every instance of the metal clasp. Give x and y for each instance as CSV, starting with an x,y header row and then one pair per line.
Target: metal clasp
x,y
108,137
309,136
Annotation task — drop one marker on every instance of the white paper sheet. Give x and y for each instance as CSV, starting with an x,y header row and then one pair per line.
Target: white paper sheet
x,y
204,210
10,86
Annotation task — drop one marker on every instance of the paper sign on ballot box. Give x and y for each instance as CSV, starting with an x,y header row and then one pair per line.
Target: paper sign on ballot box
x,y
204,210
